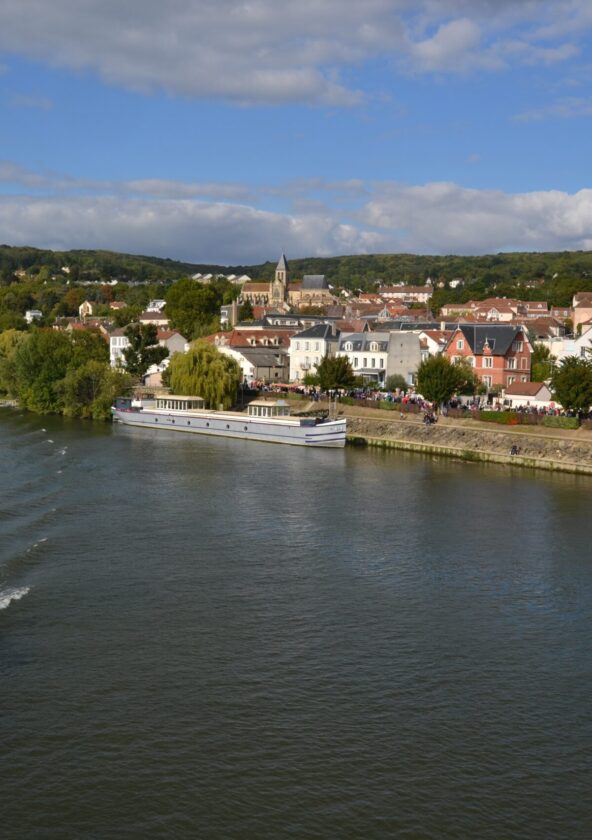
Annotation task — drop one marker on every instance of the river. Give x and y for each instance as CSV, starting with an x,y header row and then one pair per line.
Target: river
x,y
225,640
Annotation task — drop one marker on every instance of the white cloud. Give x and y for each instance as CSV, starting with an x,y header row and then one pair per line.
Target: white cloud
x,y
41,103
447,218
567,108
275,51
352,217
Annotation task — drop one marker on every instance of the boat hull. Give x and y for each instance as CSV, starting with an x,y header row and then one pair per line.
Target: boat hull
x,y
329,433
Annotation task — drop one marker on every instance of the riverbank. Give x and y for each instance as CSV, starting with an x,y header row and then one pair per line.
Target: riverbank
x,y
539,448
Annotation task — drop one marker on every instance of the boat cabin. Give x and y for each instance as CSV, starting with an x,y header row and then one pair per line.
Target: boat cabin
x,y
173,402
267,408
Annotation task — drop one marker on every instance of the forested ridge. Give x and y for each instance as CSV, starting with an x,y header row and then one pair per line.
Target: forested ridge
x,y
554,276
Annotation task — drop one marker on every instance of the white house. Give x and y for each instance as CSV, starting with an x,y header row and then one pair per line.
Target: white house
x,y
527,394
118,341
377,355
308,349
33,315
565,346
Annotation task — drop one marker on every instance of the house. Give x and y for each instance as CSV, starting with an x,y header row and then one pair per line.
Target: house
x,y
172,340
154,316
309,347
527,394
562,347
252,336
314,290
117,304
408,294
582,309
33,315
500,354
377,355
118,341
156,305
260,364
85,309
433,342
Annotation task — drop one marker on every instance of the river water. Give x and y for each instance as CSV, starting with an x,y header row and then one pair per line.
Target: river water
x,y
220,639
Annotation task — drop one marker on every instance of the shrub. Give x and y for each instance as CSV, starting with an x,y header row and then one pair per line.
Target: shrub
x,y
561,422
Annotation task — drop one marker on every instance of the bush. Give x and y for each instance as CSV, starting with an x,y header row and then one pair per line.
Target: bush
x,y
561,422
504,418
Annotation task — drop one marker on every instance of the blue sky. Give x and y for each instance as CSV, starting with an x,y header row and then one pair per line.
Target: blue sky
x,y
225,131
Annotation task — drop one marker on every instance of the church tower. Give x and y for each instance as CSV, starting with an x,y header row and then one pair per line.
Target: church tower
x,y
279,287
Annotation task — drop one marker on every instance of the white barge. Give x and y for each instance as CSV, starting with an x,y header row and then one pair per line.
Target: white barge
x,y
265,420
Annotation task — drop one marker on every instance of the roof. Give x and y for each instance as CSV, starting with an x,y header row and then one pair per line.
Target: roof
x,y
524,389
153,315
582,299
282,264
255,287
317,331
498,337
164,335
314,281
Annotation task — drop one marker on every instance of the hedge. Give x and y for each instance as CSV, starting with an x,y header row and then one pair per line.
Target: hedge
x,y
561,422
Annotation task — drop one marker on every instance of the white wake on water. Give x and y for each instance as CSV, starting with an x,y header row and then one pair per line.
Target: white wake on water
x,y
10,595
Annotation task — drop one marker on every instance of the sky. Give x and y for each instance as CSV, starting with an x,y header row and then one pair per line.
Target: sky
x,y
227,132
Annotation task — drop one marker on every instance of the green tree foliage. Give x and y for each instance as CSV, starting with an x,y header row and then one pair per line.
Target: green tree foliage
x,y
205,372
335,372
144,349
194,309
41,363
438,379
571,383
9,344
396,381
90,390
125,316
245,312
541,363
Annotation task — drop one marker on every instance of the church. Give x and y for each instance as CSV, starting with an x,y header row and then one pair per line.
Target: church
x,y
282,294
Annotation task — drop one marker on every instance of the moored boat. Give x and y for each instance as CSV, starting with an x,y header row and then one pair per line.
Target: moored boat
x,y
264,420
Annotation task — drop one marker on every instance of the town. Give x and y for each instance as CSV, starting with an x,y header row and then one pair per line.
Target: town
x,y
279,332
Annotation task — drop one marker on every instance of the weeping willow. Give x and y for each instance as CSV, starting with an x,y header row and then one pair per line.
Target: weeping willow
x,y
205,372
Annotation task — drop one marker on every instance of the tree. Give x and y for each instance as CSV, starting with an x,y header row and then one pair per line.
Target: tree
x,y
396,382
438,379
245,312
205,372
571,383
335,372
40,365
90,390
10,340
144,349
541,363
193,308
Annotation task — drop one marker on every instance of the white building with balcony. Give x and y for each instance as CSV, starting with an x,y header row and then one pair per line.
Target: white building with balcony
x,y
309,347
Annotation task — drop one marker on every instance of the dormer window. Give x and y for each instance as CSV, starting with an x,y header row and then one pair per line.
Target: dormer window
x,y
348,346
374,347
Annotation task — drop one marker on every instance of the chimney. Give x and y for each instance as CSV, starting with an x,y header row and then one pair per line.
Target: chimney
x,y
442,325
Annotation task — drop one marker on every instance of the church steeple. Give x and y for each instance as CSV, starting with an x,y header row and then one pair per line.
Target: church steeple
x,y
279,287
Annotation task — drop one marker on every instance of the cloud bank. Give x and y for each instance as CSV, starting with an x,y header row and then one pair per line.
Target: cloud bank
x,y
275,51
222,223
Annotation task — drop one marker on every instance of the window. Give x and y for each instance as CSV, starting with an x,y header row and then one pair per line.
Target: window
x,y
511,379
456,360
355,361
365,362
297,345
524,363
316,345
517,346
460,344
348,346
373,347
307,345
487,381
524,379
512,364
487,362
471,360
373,361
